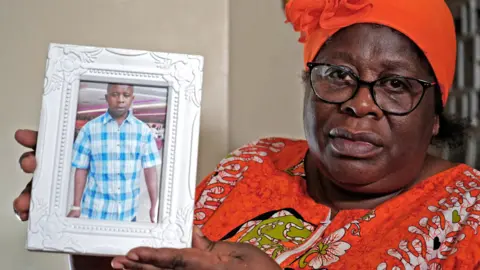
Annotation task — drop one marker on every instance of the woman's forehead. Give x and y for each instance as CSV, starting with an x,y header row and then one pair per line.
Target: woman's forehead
x,y
370,37
364,43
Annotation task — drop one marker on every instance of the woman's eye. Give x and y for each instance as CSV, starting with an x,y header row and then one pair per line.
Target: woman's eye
x,y
396,84
338,75
399,85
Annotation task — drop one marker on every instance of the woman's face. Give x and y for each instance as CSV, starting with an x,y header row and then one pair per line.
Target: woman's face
x,y
390,150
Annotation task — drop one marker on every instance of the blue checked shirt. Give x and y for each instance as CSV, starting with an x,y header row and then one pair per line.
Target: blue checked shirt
x,y
115,156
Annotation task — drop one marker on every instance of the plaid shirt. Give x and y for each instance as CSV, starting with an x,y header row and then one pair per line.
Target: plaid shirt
x,y
114,156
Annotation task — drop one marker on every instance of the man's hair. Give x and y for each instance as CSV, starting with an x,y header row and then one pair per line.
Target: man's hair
x,y
110,85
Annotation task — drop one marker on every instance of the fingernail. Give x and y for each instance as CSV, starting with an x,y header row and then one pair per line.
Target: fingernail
x,y
116,265
133,257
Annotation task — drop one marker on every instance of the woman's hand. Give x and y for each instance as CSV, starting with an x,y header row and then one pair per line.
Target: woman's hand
x,y
21,204
203,255
27,138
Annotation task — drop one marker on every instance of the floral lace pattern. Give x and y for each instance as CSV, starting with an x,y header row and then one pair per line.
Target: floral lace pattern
x,y
437,237
228,173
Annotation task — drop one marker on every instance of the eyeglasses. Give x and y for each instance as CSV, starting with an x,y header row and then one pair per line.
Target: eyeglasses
x,y
396,95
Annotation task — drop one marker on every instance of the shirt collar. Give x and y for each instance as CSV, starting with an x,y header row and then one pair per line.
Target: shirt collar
x,y
107,117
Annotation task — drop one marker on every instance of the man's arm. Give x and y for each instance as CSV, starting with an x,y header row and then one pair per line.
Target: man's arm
x,y
80,180
150,161
81,162
151,182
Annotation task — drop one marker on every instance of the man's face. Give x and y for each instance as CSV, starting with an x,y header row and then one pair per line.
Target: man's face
x,y
119,98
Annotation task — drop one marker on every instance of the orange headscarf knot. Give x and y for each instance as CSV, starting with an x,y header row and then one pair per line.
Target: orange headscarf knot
x,y
428,23
308,16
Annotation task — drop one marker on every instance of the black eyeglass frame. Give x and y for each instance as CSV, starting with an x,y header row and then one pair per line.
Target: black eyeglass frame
x,y
425,85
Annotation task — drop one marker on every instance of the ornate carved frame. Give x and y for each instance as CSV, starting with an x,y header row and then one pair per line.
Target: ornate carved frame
x,y
48,228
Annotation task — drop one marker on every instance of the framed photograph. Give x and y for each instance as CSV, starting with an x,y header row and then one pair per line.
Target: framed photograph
x,y
117,151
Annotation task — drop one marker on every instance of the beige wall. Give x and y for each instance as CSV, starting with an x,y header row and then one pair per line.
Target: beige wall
x,y
265,95
26,28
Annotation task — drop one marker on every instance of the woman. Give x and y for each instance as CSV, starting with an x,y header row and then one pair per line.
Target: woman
x,y
361,192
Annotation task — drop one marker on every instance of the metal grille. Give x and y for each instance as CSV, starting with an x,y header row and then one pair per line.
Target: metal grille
x,y
465,92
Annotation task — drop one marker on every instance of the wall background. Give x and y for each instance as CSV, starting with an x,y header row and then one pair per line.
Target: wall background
x,y
265,90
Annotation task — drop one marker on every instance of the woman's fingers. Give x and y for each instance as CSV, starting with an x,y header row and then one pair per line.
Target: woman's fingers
x,y
204,255
146,258
27,161
132,261
167,258
222,256
26,137
21,204
125,264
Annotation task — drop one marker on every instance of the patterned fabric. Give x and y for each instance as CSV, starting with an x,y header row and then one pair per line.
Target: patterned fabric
x,y
114,156
258,195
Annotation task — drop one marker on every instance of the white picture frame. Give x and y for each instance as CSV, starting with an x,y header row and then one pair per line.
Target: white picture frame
x,y
49,230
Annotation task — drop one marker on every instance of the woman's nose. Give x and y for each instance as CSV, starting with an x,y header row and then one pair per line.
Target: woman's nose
x,y
362,104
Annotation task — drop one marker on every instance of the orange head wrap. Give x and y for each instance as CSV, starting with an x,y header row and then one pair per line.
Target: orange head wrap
x,y
428,23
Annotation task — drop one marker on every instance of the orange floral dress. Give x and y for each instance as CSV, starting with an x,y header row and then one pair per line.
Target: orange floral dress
x,y
257,195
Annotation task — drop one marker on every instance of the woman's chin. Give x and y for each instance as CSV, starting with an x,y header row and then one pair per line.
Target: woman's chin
x,y
357,186
355,175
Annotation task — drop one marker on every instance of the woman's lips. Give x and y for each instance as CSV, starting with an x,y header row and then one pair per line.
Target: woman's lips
x,y
343,142
354,149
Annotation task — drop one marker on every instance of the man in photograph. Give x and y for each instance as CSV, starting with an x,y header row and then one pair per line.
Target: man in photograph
x,y
109,155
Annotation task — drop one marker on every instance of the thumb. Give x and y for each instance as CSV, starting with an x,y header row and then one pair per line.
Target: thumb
x,y
200,241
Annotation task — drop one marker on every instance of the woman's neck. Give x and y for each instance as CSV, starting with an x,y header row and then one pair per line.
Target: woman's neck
x,y
323,191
